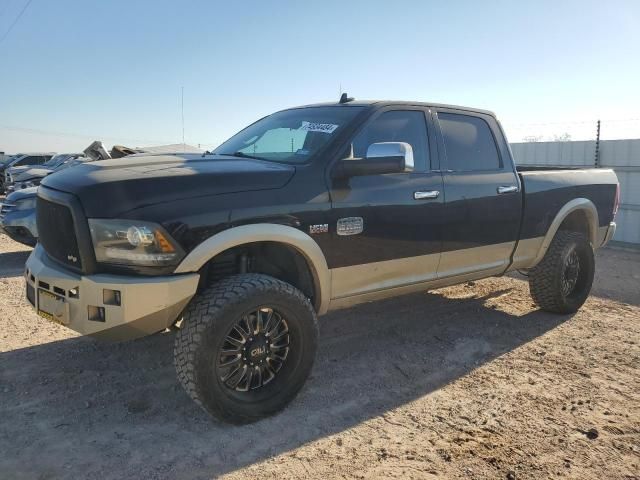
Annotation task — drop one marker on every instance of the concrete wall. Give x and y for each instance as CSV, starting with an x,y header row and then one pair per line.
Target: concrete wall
x,y
623,156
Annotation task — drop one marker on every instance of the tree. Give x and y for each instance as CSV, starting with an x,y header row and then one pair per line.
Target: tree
x,y
565,137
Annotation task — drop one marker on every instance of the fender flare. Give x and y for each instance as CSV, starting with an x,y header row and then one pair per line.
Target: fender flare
x,y
266,232
576,204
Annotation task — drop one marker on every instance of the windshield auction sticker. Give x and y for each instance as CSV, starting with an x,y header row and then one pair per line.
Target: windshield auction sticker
x,y
318,127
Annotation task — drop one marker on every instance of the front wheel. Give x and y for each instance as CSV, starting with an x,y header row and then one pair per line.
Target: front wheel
x,y
246,347
561,282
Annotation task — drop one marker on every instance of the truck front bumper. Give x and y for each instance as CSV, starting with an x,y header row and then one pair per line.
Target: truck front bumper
x,y
111,307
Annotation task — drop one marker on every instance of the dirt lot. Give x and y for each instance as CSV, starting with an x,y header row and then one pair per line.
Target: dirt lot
x,y
464,382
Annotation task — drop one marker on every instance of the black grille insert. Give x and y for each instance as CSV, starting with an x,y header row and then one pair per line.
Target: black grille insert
x,y
57,232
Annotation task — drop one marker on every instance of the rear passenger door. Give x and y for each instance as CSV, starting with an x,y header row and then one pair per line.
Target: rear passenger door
x,y
483,203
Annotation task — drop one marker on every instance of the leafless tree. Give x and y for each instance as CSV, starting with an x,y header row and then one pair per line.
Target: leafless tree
x,y
565,137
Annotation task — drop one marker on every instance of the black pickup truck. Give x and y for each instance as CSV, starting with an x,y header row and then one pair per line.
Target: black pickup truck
x,y
307,210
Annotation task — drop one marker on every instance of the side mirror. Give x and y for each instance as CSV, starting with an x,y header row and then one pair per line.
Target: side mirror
x,y
383,157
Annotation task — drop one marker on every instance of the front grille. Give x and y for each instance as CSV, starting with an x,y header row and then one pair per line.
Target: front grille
x,y
5,208
57,232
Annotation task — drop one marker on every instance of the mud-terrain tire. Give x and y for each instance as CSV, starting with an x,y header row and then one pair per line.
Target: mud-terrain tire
x,y
554,284
217,325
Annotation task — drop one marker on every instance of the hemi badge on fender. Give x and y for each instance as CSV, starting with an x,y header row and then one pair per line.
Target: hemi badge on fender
x,y
320,228
350,226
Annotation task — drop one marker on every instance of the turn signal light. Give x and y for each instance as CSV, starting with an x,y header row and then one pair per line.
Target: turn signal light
x,y
164,245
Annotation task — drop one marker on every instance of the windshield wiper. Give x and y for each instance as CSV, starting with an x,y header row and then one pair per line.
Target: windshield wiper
x,y
241,155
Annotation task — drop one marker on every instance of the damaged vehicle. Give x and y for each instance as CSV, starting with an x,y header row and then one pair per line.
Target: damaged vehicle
x,y
18,216
18,178
20,160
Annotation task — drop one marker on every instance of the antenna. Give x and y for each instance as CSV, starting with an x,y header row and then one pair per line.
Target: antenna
x,y
344,98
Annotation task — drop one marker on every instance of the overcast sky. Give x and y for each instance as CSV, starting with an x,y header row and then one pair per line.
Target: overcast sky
x,y
75,70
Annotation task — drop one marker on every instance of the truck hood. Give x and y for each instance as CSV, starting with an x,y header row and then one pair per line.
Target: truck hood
x,y
30,173
18,170
22,194
108,188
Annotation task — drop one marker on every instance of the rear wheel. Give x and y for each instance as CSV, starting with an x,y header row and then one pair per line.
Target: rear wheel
x,y
561,282
246,347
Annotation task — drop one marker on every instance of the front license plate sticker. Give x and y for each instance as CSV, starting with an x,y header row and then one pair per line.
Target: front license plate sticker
x,y
52,307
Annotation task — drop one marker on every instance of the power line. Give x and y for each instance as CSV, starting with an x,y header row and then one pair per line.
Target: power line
x,y
138,141
6,34
76,135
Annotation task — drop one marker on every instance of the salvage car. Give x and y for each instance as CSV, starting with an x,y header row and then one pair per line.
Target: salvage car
x,y
21,159
24,177
54,161
308,210
18,216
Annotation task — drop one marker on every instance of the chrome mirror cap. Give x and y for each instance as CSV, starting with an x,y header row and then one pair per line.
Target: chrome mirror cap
x,y
392,149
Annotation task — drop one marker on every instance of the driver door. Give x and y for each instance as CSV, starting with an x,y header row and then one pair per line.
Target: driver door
x,y
395,218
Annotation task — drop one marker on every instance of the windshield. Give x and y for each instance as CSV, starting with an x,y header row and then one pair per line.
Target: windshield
x,y
10,159
291,135
56,160
70,163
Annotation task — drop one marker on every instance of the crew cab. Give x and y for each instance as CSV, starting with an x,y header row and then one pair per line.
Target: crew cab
x,y
307,210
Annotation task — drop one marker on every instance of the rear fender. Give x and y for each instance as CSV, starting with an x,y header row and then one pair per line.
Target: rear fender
x,y
576,204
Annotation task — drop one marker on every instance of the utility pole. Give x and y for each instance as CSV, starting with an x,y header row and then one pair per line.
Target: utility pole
x,y
182,109
597,159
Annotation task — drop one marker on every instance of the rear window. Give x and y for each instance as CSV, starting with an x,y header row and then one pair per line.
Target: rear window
x,y
468,142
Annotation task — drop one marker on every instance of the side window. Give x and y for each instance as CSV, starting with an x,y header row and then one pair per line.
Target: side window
x,y
468,143
407,126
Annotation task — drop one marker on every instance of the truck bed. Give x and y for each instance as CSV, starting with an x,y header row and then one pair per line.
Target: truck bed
x,y
548,189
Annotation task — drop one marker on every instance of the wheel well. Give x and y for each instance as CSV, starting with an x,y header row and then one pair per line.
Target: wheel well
x,y
577,221
278,260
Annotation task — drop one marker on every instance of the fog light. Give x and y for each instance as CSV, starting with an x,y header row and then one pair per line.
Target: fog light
x,y
96,314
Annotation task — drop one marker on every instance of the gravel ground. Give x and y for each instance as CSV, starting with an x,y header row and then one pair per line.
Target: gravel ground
x,y
464,382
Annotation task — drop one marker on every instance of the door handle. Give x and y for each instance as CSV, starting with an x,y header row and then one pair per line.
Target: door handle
x,y
426,195
507,189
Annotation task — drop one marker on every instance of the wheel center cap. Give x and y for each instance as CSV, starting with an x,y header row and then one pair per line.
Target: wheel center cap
x,y
257,348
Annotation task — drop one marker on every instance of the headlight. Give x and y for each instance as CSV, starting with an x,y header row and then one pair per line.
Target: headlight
x,y
133,242
26,203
